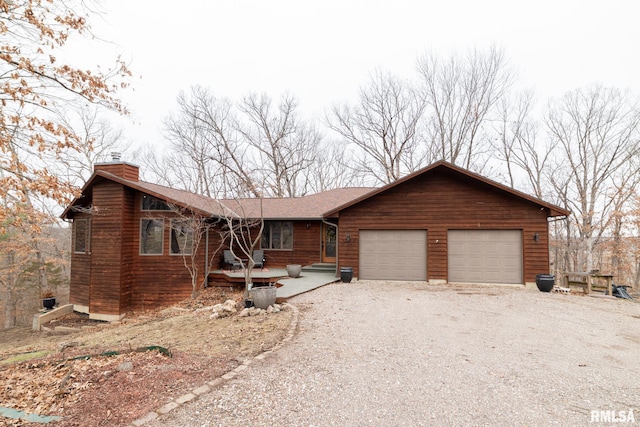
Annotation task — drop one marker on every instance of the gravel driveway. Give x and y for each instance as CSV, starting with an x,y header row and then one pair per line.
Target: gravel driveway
x,y
411,354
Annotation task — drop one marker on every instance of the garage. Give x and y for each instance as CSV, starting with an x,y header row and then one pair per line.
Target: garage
x,y
485,256
393,255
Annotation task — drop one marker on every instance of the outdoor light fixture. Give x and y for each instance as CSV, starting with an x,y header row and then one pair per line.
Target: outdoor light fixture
x,y
535,237
308,225
348,237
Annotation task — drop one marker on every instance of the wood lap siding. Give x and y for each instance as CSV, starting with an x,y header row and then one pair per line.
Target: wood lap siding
x,y
306,246
129,251
160,280
441,201
121,279
80,277
106,252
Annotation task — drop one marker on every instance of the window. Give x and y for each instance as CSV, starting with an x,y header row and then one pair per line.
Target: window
x,y
81,235
277,235
150,203
151,236
181,237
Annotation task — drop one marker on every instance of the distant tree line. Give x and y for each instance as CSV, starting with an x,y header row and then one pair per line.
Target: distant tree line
x,y
580,151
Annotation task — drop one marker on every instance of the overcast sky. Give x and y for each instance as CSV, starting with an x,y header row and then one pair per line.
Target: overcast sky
x,y
323,51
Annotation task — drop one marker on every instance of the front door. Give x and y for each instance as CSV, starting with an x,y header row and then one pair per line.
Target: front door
x,y
329,242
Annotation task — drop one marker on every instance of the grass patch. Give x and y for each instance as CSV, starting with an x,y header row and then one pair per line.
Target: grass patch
x,y
23,357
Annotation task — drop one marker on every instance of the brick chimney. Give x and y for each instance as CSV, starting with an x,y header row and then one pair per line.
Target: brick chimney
x,y
117,167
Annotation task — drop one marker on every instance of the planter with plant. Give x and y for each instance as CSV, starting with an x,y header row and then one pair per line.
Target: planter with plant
x,y
48,300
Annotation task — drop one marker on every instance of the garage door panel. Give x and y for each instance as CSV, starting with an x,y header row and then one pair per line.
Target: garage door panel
x,y
485,256
393,254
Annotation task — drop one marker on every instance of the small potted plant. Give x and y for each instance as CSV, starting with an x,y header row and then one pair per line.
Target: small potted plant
x,y
48,300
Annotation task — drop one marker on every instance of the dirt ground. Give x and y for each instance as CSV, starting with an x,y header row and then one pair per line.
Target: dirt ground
x,y
112,374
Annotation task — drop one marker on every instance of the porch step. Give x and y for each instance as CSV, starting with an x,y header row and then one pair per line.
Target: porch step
x,y
321,267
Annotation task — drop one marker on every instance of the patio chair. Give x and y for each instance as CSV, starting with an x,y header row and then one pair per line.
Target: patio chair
x,y
230,260
258,258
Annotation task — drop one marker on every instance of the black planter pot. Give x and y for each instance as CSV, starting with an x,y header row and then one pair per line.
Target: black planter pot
x,y
48,303
346,274
545,282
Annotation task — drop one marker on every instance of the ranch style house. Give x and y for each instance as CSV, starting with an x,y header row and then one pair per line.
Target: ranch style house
x,y
441,224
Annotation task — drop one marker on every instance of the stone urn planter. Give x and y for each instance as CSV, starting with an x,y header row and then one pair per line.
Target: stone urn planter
x,y
294,270
545,282
263,296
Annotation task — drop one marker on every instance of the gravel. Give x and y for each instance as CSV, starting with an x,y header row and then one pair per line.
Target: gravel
x,y
409,354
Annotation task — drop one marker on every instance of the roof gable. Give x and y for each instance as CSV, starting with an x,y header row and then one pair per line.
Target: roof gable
x,y
553,210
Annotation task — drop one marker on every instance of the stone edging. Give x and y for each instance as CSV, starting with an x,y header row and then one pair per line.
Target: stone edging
x,y
177,402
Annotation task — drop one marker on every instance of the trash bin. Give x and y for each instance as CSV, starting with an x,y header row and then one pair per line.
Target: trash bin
x,y
545,282
346,274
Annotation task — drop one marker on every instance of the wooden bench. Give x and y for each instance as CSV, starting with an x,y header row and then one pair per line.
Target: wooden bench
x,y
589,282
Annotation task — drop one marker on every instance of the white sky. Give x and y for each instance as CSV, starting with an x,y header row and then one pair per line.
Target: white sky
x,y
323,51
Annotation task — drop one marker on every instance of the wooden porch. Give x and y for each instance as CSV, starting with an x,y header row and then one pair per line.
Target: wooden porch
x,y
312,277
236,277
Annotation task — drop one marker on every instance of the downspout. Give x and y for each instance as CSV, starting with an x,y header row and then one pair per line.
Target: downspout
x,y
337,244
206,257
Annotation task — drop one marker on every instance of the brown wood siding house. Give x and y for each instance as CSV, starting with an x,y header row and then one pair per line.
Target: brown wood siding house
x,y
111,275
440,224
446,224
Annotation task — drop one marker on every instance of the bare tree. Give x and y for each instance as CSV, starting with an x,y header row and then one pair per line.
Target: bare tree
x,y
334,169
244,234
98,139
620,222
383,126
187,232
518,145
250,149
285,146
598,133
207,156
161,168
460,94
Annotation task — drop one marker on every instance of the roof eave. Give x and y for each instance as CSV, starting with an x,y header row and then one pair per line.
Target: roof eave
x,y
133,185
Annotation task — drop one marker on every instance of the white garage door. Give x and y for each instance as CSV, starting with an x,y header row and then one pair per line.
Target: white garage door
x,y
485,256
393,254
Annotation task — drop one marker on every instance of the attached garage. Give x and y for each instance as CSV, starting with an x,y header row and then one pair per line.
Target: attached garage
x,y
478,230
393,254
485,256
